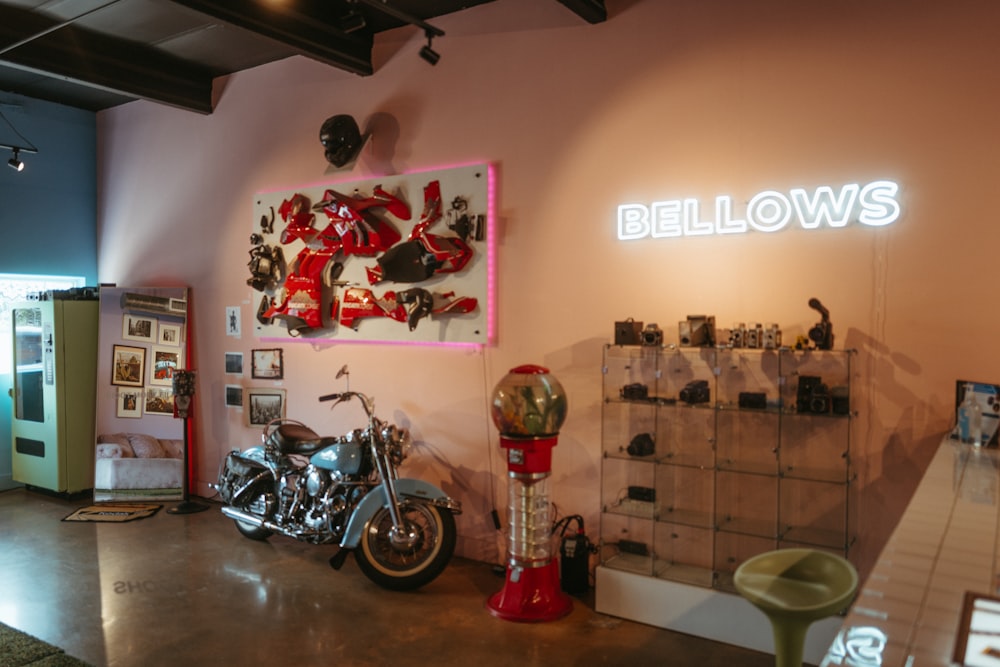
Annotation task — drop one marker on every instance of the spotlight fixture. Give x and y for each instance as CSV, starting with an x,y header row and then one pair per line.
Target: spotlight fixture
x,y
429,54
14,163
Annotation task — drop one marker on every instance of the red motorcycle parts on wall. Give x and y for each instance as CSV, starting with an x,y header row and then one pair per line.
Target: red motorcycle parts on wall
x,y
440,271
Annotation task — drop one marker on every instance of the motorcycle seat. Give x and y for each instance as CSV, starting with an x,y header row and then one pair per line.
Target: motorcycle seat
x,y
299,439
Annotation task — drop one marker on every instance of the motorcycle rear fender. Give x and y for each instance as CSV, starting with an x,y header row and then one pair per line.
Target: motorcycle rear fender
x,y
406,489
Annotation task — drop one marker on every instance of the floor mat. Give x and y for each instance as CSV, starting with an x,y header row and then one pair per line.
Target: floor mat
x,y
114,513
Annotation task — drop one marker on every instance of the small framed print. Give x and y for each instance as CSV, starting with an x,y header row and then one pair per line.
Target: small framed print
x,y
165,361
262,406
170,334
129,402
128,365
139,327
267,365
234,396
159,401
234,363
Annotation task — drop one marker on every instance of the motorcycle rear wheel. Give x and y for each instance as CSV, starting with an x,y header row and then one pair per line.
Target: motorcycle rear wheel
x,y
404,567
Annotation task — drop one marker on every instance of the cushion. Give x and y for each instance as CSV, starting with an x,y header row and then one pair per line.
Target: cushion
x,y
146,446
173,449
115,438
113,451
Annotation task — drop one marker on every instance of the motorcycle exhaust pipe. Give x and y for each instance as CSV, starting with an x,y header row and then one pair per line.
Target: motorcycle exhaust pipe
x,y
240,515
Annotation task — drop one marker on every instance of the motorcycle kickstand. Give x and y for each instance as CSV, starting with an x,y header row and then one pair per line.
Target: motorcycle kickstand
x,y
337,559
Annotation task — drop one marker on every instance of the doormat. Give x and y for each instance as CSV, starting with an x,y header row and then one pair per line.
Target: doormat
x,y
116,513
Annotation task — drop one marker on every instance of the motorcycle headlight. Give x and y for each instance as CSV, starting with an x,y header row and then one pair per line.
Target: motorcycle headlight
x,y
397,440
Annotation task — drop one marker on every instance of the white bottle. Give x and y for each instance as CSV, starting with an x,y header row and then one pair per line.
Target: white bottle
x,y
970,419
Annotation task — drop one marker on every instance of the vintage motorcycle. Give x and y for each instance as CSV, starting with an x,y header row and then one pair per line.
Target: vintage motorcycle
x,y
343,490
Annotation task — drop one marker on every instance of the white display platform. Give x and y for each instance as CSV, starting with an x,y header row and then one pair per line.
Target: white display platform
x,y
703,612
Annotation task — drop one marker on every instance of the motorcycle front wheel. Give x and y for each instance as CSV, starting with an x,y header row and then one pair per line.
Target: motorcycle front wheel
x,y
413,559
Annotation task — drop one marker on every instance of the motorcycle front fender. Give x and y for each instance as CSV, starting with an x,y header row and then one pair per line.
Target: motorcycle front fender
x,y
376,499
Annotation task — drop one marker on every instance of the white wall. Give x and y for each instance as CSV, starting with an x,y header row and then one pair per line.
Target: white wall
x,y
665,100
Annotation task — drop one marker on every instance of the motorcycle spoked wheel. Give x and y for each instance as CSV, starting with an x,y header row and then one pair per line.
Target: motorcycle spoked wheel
x,y
251,531
404,567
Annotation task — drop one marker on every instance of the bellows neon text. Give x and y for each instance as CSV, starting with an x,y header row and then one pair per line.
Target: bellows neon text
x,y
874,205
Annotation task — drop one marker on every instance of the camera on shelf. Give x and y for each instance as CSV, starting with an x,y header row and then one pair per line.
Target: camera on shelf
x,y
641,445
756,336
628,332
821,334
635,392
813,396
752,400
695,391
652,335
697,331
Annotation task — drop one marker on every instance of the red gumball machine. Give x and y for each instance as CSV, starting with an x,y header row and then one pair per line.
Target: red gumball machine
x,y
529,406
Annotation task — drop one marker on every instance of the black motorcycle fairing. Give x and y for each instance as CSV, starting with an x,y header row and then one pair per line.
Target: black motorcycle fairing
x,y
407,262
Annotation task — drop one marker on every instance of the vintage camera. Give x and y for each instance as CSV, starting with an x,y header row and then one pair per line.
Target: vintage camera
x,y
754,336
770,337
841,400
697,331
641,445
822,332
628,332
813,396
752,400
635,392
695,391
652,335
738,335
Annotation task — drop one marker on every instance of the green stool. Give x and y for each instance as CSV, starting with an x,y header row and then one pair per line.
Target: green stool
x,y
795,587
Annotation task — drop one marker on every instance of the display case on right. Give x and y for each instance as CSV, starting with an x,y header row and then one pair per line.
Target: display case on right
x,y
713,455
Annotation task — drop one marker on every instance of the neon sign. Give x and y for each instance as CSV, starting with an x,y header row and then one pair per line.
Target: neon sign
x,y
874,204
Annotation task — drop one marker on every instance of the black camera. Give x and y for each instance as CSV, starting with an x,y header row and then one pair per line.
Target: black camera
x,y
635,392
695,391
641,445
822,332
813,396
652,335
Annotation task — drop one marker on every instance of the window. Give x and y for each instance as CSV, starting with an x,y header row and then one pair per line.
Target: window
x,y
15,288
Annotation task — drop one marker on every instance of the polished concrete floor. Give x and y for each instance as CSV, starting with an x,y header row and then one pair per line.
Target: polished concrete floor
x,y
190,590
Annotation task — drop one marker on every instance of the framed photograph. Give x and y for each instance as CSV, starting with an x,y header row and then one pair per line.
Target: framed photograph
x,y
129,403
234,396
978,628
159,401
267,365
170,334
262,405
165,361
234,363
128,364
139,327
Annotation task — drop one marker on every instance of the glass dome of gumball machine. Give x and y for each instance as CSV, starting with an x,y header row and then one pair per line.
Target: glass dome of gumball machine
x,y
529,407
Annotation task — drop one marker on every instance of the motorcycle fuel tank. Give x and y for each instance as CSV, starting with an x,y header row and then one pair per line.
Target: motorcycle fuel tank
x,y
344,457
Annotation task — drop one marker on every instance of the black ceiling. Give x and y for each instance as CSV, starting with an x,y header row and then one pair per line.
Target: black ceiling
x,y
96,54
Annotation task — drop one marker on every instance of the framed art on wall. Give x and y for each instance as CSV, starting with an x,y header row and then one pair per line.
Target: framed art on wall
x,y
263,405
141,328
165,361
128,365
159,401
170,334
267,364
129,403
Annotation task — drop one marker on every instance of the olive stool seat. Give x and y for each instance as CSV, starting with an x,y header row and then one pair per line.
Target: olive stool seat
x,y
794,588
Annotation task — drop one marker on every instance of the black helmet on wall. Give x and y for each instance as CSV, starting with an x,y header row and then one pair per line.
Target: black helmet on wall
x,y
341,139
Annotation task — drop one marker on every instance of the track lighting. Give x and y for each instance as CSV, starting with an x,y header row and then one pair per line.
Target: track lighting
x,y
15,163
426,52
429,54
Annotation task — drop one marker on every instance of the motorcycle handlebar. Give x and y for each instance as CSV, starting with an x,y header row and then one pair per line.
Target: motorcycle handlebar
x,y
329,397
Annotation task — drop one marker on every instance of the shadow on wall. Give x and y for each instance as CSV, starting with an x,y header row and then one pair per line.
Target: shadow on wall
x,y
891,460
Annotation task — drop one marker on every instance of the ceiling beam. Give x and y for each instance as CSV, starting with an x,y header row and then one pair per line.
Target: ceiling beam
x,y
98,61
591,11
309,27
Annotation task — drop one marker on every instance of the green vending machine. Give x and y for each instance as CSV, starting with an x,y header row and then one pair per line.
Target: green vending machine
x,y
55,377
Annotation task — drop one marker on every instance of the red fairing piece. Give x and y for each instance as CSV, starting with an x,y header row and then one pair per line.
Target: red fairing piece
x,y
308,294
422,255
408,306
355,233
299,220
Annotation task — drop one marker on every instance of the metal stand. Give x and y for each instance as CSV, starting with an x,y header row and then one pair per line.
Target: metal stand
x,y
186,506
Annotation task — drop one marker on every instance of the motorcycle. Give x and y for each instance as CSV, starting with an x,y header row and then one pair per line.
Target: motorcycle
x,y
343,490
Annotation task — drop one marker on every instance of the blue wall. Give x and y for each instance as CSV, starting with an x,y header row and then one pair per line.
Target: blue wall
x,y
48,212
